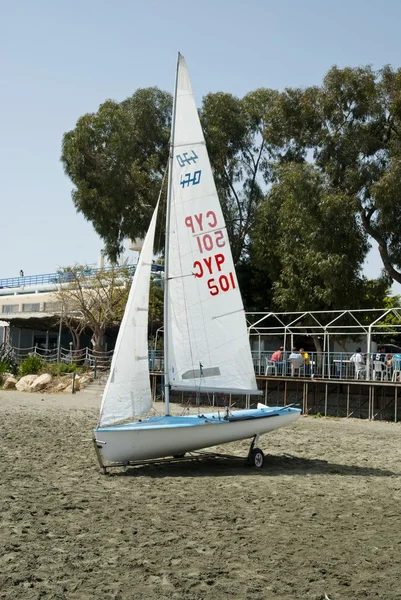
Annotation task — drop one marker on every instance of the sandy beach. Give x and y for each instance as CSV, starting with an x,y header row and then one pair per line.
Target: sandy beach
x,y
322,517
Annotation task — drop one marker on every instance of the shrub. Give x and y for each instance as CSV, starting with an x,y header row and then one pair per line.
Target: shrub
x,y
32,364
7,366
7,361
62,368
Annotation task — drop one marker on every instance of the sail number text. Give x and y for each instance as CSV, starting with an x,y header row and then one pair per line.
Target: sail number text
x,y
210,265
205,241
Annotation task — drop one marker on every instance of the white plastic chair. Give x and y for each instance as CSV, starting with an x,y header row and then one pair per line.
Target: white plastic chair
x,y
360,372
379,370
270,366
396,369
296,365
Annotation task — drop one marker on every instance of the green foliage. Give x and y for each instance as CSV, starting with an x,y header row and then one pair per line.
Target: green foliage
x,y
155,308
255,284
116,159
7,366
95,300
352,123
7,361
240,156
304,178
311,242
57,369
32,364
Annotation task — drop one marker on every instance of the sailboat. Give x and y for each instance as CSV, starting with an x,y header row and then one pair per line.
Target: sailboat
x,y
206,343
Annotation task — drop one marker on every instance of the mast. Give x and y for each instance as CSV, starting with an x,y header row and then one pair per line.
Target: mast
x,y
166,248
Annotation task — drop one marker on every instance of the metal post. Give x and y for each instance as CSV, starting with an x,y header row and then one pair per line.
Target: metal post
x,y
368,358
95,369
73,383
59,339
328,356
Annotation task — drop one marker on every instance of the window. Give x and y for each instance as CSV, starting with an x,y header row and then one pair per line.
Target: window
x,y
10,308
32,307
52,307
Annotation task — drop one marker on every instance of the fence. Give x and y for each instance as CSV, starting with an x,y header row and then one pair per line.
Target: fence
x,y
324,365
330,365
65,276
85,357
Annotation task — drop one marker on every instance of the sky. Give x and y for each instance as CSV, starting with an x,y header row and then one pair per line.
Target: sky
x,y
62,59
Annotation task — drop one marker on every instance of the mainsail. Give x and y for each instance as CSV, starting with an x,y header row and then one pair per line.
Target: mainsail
x,y
127,393
208,345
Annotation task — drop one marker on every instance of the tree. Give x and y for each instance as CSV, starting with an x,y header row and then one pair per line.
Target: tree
x,y
116,159
353,125
71,316
311,242
96,299
117,156
241,158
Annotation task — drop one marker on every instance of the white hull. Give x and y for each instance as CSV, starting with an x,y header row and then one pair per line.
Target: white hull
x,y
125,444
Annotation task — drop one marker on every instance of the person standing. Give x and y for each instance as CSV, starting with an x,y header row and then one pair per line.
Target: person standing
x,y
358,361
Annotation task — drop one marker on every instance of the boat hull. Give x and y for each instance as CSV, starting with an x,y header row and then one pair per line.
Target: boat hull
x,y
159,437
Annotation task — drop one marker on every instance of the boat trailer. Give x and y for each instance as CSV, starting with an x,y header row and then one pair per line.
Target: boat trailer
x,y
255,458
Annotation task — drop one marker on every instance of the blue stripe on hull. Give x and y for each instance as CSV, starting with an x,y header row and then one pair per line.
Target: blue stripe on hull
x,y
214,418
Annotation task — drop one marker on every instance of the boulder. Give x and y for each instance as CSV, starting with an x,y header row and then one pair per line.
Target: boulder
x,y
60,387
85,379
9,382
24,384
41,382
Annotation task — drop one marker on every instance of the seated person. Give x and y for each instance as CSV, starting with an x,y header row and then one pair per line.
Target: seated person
x,y
305,356
380,355
278,355
296,359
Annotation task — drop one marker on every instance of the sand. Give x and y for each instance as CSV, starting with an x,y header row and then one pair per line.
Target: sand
x,y
321,517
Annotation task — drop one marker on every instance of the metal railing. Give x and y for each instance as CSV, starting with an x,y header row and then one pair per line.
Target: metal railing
x,y
85,357
324,365
331,365
62,276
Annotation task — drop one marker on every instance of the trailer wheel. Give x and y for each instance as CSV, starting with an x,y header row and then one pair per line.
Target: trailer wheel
x,y
256,458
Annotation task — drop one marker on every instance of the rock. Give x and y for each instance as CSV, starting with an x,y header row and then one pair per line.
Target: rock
x,y
41,382
9,382
77,384
85,379
24,384
60,387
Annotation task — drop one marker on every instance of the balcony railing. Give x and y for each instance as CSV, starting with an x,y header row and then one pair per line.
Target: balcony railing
x,y
338,366
61,276
331,365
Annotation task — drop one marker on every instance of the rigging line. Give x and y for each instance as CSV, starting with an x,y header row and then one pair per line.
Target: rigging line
x,y
195,144
159,236
181,276
233,312
183,289
209,231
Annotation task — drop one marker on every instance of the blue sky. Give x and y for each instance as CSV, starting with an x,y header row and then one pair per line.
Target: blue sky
x,y
61,59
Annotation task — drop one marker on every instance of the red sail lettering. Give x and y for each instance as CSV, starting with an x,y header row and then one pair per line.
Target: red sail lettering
x,y
189,223
197,263
213,221
198,219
